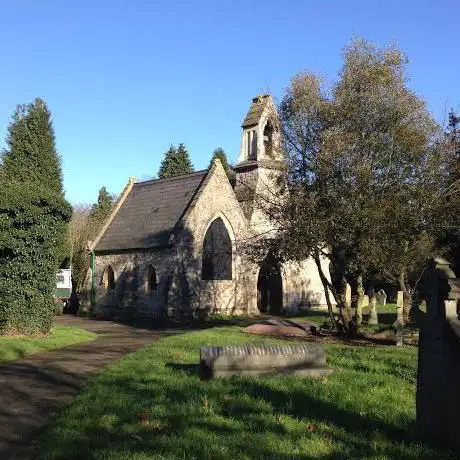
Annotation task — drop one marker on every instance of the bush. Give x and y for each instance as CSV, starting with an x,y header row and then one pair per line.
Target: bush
x,y
33,229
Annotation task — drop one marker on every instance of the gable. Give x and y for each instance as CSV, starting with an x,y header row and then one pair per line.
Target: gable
x,y
215,199
150,213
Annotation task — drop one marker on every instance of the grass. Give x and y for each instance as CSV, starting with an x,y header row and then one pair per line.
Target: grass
x,y
386,313
152,405
12,348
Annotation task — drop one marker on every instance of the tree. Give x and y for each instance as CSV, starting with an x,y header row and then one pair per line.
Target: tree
x,y
451,237
222,156
33,223
82,230
31,154
34,220
101,210
175,163
364,172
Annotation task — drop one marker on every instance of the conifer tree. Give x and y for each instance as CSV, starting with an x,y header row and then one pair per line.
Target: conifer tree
x,y
102,208
31,154
222,156
34,218
175,163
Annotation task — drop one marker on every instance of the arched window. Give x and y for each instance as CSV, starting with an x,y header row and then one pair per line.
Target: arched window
x,y
108,278
217,253
150,280
268,138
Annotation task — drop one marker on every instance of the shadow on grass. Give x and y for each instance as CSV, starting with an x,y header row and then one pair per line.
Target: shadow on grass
x,y
241,422
190,369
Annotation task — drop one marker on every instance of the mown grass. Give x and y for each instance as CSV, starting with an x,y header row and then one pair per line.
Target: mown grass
x,y
152,405
12,348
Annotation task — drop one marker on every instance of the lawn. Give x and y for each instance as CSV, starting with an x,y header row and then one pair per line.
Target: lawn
x,y
152,405
12,348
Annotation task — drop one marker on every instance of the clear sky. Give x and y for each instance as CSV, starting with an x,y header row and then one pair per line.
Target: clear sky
x,y
125,79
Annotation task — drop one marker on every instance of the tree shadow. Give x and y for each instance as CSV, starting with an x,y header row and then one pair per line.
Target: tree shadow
x,y
259,405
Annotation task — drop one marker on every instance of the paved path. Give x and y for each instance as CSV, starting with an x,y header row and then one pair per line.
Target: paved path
x,y
34,388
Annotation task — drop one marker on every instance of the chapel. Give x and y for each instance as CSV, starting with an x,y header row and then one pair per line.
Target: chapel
x,y
175,246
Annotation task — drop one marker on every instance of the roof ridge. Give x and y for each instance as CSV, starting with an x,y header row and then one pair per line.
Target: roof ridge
x,y
172,178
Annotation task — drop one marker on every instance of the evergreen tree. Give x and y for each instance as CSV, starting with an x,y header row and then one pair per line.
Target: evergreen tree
x,y
175,163
31,154
34,218
101,209
222,156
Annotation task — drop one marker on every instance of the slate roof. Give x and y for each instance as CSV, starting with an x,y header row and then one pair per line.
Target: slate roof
x,y
150,212
255,111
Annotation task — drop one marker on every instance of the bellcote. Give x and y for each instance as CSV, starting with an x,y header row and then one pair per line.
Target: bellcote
x,y
260,140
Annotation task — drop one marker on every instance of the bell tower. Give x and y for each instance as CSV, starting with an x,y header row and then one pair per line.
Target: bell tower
x,y
260,162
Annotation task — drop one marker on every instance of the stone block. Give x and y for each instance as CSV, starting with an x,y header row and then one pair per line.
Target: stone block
x,y
373,316
381,297
305,360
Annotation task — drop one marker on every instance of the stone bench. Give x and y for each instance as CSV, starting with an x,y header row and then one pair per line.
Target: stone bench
x,y
304,360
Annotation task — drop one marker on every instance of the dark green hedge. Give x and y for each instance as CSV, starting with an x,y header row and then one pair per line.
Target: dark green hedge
x,y
33,229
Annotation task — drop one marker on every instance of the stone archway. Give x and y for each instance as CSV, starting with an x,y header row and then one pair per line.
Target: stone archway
x,y
270,288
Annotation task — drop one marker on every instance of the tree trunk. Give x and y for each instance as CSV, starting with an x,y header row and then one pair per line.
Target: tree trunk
x,y
326,286
359,301
407,296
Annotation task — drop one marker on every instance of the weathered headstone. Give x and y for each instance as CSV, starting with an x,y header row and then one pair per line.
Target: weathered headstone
x,y
365,301
373,317
381,297
399,323
347,302
438,376
306,360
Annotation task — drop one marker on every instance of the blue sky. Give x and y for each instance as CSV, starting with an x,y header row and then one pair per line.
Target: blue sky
x,y
125,79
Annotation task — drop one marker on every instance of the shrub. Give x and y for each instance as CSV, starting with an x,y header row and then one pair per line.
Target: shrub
x,y
33,229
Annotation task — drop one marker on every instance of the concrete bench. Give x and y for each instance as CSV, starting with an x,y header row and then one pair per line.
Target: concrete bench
x,y
305,360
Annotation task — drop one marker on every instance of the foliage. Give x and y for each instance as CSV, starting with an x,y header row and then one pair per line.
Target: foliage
x,y
31,153
222,156
175,163
153,405
366,171
12,348
82,230
33,223
101,210
451,236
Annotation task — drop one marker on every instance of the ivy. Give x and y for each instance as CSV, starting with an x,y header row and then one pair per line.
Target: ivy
x,y
33,229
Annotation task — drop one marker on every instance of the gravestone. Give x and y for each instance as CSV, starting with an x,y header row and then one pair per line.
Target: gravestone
x,y
438,376
347,301
365,301
373,317
305,360
381,297
399,323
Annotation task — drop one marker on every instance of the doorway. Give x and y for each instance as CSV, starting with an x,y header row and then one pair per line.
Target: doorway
x,y
270,289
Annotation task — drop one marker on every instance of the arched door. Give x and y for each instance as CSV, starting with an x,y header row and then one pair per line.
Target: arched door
x,y
270,289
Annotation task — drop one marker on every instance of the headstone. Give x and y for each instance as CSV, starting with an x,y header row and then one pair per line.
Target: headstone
x,y
399,323
438,376
305,360
347,295
373,317
347,302
365,303
381,297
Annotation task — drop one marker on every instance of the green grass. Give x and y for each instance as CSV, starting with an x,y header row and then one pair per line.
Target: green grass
x,y
12,348
152,405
